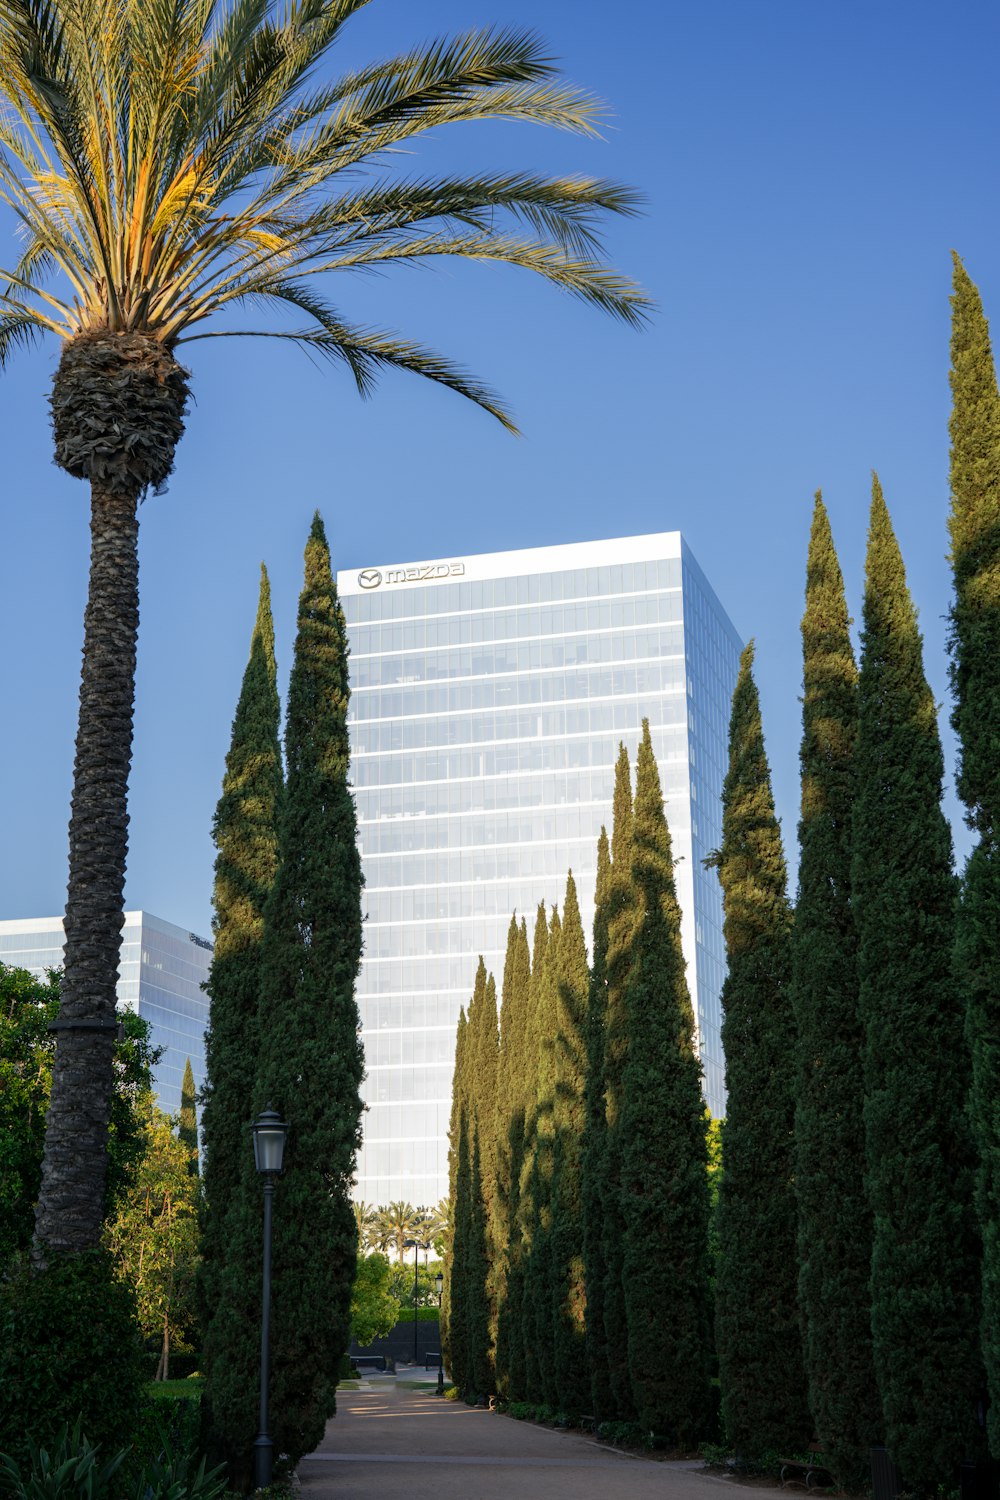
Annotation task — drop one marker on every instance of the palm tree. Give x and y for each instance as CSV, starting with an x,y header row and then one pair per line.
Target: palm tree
x,y
400,1219
167,161
364,1217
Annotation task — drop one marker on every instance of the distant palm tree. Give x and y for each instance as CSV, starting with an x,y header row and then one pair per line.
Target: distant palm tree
x,y
401,1218
167,161
364,1216
381,1235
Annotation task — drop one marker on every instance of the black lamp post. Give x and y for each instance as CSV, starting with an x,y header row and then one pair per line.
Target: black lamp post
x,y
439,1288
269,1131
416,1288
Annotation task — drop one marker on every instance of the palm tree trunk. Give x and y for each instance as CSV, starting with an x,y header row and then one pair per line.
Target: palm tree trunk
x,y
71,1201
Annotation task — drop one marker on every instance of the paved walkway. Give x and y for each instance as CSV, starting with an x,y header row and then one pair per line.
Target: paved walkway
x,y
388,1439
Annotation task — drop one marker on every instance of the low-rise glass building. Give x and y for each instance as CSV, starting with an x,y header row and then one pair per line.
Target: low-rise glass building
x,y
161,974
489,697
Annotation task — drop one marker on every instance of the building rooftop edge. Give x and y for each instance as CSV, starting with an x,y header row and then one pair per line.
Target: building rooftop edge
x,y
553,559
46,924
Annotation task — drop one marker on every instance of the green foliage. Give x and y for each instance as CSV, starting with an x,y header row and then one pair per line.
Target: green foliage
x,y
153,1236
179,1471
453,1291
507,1281
834,1267
664,1181
246,840
925,1268
310,1062
69,1350
593,1148
66,1469
374,1309
974,525
188,1122
620,919
27,1006
568,1291
761,1369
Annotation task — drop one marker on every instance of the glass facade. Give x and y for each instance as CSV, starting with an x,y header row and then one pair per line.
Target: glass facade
x,y
489,696
161,974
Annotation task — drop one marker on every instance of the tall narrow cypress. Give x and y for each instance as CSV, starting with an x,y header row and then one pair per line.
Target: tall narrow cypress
x,y
664,1157
529,1209
568,1115
500,1164
311,1064
187,1120
245,832
594,1142
761,1372
513,1051
829,1126
925,1261
455,1276
540,1269
974,526
479,1108
621,921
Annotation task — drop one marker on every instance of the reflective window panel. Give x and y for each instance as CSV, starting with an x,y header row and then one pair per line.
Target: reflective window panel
x,y
489,697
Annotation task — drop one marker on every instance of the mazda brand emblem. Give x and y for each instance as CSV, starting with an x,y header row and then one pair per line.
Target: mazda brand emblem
x,y
370,578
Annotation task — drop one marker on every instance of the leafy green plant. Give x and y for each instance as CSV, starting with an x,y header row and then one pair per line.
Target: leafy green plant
x,y
69,1470
179,1473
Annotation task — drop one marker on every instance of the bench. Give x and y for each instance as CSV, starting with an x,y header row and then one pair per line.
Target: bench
x,y
432,1359
810,1472
368,1361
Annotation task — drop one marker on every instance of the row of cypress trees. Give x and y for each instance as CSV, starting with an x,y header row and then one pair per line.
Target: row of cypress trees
x,y
857,1273
579,1177
284,1032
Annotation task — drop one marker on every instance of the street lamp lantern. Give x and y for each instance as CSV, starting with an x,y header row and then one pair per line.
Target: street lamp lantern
x,y
269,1132
439,1286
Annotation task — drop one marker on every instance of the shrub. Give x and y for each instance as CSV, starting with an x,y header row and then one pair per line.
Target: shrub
x,y
69,1353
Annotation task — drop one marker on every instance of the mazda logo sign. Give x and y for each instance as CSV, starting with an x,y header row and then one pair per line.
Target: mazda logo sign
x,y
370,578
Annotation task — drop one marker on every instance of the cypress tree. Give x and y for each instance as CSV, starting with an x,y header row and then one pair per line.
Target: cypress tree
x,y
453,1288
595,1130
187,1123
664,1158
311,1063
974,526
829,1128
480,1103
246,838
568,1115
460,1353
530,1209
761,1372
621,920
925,1261
541,1270
513,1052
500,1163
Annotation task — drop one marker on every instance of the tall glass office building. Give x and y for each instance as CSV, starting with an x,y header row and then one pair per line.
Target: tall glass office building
x,y
161,974
489,697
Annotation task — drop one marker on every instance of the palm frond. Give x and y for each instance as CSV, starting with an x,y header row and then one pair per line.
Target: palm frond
x,y
365,351
168,158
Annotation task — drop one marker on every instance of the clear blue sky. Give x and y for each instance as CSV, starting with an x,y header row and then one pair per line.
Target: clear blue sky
x,y
808,169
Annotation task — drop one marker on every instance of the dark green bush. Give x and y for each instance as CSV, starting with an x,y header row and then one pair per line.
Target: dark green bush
x,y
69,1351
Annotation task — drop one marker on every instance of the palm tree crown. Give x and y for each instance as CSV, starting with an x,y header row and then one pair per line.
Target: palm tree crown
x,y
173,159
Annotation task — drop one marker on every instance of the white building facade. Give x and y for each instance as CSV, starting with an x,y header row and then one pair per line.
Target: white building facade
x,y
489,697
161,974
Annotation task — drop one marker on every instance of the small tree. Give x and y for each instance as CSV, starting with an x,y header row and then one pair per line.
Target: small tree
x,y
187,1131
374,1310
153,1237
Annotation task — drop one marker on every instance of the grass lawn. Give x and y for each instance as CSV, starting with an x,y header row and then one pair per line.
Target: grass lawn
x,y
191,1387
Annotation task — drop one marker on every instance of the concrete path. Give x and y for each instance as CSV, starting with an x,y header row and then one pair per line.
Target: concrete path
x,y
388,1439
